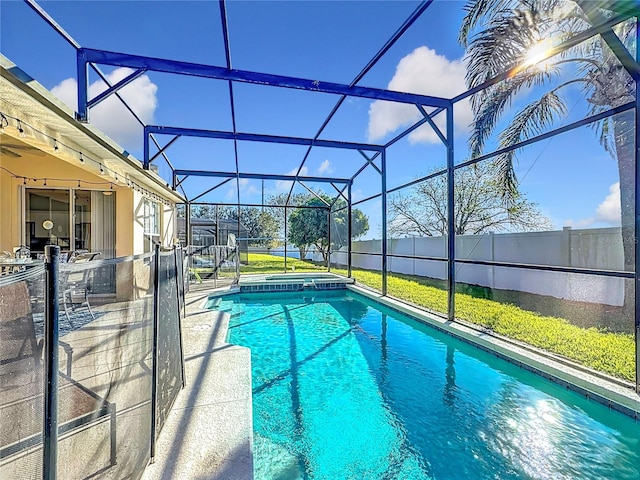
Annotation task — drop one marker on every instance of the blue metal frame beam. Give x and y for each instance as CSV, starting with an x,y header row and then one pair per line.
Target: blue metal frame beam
x,y
163,149
88,55
117,86
255,137
47,18
370,161
451,220
615,44
249,137
227,54
227,180
257,205
416,125
314,193
551,133
383,207
341,194
637,217
432,124
385,48
261,176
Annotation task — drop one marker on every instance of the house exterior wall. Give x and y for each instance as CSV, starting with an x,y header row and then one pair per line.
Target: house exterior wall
x,y
129,204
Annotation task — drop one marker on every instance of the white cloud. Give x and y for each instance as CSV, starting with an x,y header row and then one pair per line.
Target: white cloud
x,y
110,115
425,72
608,211
325,167
246,189
284,185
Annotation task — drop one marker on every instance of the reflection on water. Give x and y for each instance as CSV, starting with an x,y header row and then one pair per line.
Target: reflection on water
x,y
343,389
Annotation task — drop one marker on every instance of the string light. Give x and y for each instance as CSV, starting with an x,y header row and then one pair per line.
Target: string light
x,y
4,122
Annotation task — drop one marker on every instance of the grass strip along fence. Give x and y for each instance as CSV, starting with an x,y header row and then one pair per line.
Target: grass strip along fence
x,y
608,352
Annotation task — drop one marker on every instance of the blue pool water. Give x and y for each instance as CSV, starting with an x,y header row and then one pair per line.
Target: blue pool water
x,y
345,388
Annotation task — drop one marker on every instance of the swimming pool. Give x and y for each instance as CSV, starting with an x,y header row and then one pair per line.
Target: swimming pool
x,y
345,388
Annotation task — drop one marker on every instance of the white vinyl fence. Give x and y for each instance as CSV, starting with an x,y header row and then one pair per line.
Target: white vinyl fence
x,y
591,248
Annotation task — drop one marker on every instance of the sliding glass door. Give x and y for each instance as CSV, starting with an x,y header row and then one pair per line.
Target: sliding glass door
x,y
50,213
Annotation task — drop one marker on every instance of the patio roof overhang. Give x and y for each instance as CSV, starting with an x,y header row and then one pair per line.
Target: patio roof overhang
x,y
24,98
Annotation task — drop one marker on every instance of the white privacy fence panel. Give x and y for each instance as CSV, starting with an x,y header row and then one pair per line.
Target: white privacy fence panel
x,y
599,249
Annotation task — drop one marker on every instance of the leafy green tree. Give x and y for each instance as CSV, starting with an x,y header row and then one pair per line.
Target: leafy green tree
x,y
516,36
262,227
477,209
310,226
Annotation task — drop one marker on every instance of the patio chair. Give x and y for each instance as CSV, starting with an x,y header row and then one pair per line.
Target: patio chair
x,y
22,388
78,284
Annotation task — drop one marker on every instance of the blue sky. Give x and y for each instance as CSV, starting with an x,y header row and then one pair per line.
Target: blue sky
x,y
570,177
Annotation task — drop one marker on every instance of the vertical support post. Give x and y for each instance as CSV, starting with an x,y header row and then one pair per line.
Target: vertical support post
x,y
178,299
329,239
145,146
637,218
188,225
451,231
349,229
383,166
238,232
189,239
285,239
50,433
82,72
154,352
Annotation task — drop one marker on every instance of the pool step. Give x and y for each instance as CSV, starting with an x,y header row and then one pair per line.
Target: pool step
x,y
307,284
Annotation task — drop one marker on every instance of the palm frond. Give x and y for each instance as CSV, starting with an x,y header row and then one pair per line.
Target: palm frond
x,y
605,132
534,119
490,105
477,11
530,121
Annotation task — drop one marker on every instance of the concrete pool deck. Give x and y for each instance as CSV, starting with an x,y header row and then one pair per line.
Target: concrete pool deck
x,y
209,432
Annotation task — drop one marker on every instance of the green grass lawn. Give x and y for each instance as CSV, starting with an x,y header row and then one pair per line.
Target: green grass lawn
x,y
612,353
264,263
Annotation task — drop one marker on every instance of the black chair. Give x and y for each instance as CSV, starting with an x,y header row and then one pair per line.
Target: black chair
x,y
22,385
77,284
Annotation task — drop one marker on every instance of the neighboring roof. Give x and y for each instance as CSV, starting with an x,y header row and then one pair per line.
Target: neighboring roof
x,y
210,223
23,97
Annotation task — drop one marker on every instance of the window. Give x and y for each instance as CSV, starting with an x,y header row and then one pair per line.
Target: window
x,y
151,224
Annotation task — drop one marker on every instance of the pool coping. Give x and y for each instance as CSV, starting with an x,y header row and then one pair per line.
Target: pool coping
x,y
593,386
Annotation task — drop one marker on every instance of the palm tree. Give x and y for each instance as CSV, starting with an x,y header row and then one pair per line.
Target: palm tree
x,y
513,35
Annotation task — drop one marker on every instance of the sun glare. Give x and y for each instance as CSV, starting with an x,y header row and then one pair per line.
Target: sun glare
x,y
538,55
